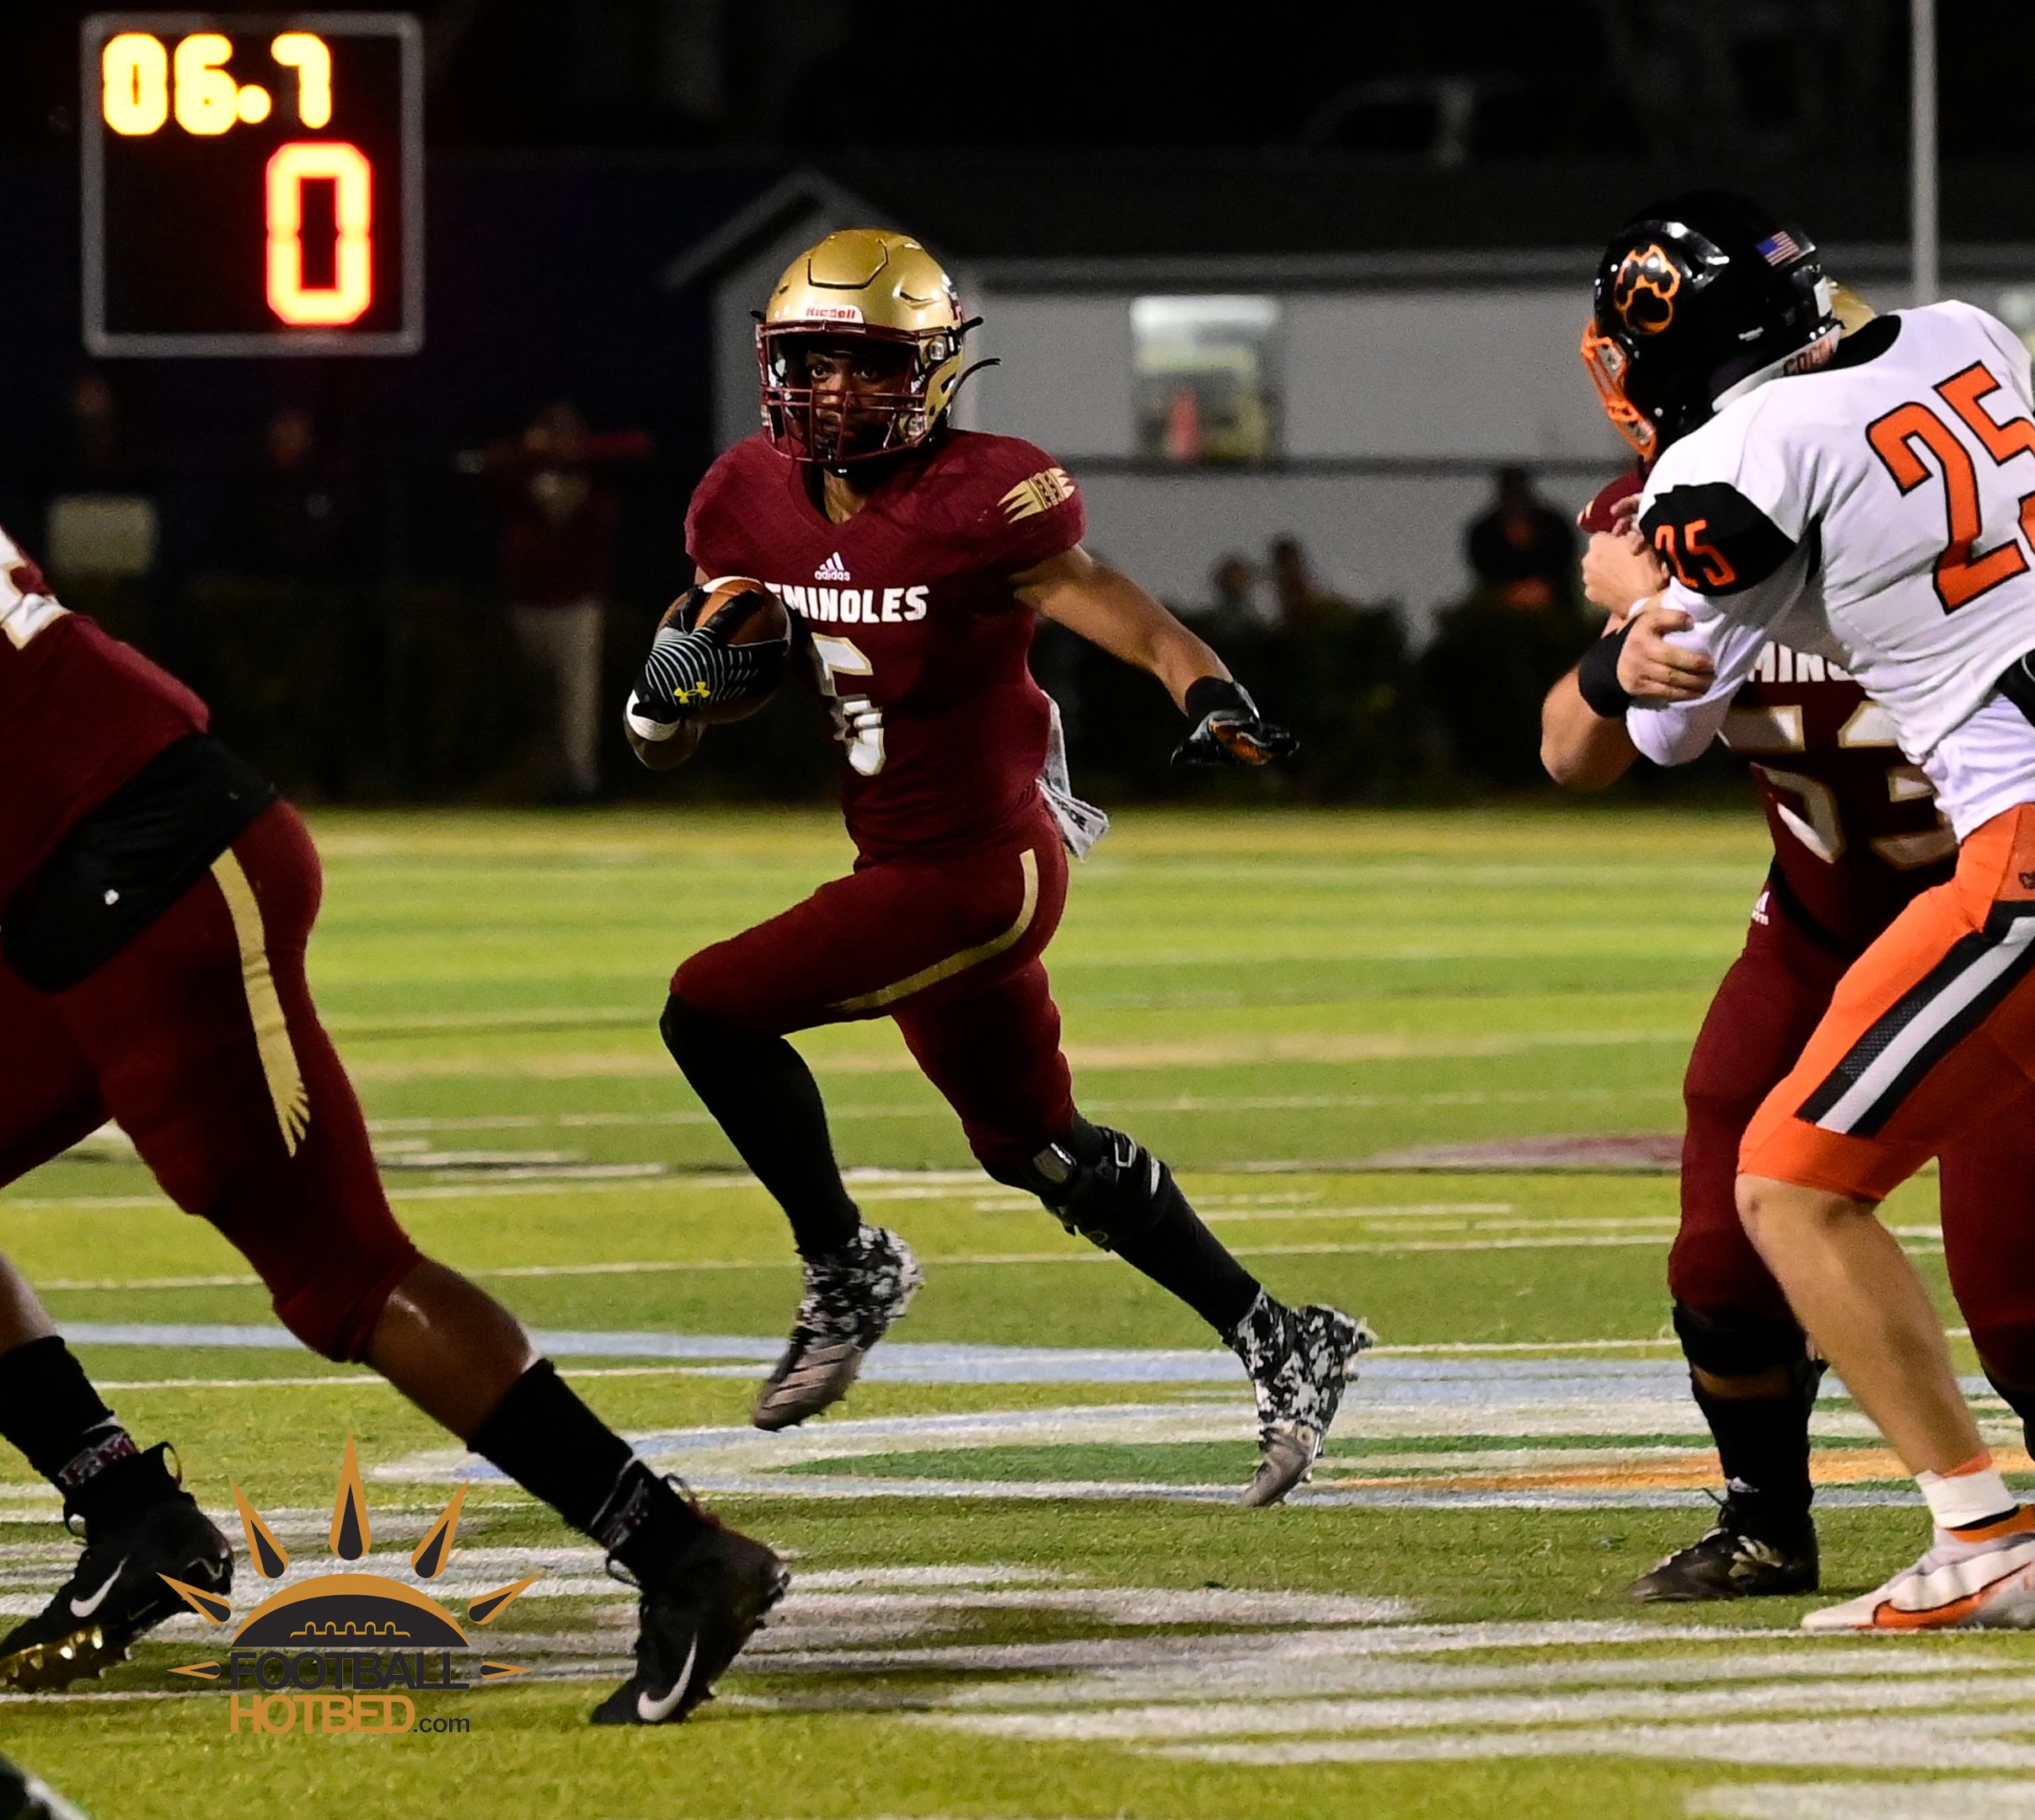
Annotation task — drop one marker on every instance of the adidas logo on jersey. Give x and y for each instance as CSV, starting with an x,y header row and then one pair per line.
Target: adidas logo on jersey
x,y
833,569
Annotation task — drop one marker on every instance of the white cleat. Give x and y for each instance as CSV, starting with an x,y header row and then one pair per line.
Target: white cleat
x,y
1983,1583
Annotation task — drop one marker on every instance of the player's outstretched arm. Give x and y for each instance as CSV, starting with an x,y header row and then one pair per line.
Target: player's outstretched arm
x,y
1581,749
1109,609
1585,743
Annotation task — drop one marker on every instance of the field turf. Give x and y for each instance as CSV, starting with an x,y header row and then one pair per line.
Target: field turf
x,y
1021,1593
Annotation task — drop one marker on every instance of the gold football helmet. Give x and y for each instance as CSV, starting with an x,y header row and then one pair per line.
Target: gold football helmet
x,y
1851,310
884,290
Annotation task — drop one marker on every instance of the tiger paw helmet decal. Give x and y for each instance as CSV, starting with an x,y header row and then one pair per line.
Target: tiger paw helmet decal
x,y
1645,290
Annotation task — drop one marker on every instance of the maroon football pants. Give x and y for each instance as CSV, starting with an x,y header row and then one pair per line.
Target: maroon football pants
x,y
949,948
200,1039
1773,997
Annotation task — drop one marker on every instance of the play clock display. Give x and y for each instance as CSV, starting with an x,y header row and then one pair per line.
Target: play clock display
x,y
253,184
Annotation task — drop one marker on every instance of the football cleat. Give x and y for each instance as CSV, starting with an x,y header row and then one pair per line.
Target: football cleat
x,y
1982,1582
692,1621
117,1594
1299,1361
1732,1562
852,1296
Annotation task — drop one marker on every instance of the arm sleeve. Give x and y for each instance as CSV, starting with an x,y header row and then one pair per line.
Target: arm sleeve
x,y
1035,511
1728,513
1727,508
1732,631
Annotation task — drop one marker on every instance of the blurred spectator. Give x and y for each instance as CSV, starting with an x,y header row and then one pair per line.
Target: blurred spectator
x,y
100,518
1496,653
290,520
1295,594
558,570
1523,551
1235,599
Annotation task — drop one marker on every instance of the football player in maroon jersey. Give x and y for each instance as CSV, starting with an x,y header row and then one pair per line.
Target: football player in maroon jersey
x,y
916,560
1855,836
156,898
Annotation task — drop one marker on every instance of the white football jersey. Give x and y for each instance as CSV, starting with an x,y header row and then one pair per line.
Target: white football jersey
x,y
1880,512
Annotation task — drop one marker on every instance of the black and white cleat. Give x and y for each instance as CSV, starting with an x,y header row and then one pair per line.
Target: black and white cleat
x,y
852,1296
1300,1361
1732,1562
692,1621
117,1594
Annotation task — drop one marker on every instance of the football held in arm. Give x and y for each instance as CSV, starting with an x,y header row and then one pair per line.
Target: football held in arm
x,y
897,566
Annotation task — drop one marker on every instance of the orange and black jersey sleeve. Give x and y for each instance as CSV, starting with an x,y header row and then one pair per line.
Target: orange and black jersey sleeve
x,y
1713,539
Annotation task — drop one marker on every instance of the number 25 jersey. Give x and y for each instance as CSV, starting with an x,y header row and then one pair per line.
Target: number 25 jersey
x,y
1869,512
919,643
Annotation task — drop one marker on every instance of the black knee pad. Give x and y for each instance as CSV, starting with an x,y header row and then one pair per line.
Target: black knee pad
x,y
1101,1184
687,1031
1737,1345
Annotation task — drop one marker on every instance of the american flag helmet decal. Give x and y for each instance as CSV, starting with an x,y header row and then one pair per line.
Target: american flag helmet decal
x,y
1778,248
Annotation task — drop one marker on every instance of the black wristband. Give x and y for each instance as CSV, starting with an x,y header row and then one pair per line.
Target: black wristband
x,y
1597,677
1207,695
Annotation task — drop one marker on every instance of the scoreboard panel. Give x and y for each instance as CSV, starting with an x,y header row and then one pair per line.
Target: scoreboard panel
x,y
253,185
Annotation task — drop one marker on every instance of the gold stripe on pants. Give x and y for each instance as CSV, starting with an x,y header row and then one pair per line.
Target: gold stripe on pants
x,y
1028,863
279,1063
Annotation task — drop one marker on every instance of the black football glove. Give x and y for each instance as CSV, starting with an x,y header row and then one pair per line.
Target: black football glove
x,y
1228,729
692,665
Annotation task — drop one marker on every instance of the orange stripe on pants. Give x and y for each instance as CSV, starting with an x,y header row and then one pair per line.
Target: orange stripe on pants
x,y
1877,1091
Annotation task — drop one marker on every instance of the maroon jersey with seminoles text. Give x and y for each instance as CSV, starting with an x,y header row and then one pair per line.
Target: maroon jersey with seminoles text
x,y
1856,829
1854,826
911,613
80,713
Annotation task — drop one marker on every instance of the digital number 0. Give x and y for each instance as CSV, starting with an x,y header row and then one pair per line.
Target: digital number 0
x,y
352,289
134,73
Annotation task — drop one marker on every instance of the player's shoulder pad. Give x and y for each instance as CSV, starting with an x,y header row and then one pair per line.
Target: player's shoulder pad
x,y
1988,327
1711,538
712,511
1005,494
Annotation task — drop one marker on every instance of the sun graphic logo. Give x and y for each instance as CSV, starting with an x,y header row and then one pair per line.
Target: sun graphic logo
x,y
347,1652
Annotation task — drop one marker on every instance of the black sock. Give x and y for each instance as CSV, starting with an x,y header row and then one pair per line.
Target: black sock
x,y
556,1448
764,1097
50,1411
1762,1445
1165,1240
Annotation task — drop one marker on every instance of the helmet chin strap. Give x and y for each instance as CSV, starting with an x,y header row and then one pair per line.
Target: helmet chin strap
x,y
1806,358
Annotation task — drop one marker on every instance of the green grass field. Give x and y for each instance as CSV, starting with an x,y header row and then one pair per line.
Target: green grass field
x,y
1021,1592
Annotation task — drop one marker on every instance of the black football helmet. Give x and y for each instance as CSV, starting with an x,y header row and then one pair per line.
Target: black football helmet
x,y
1695,296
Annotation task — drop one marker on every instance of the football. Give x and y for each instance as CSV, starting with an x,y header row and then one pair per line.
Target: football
x,y
756,617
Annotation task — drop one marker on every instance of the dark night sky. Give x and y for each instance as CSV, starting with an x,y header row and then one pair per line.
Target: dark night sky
x,y
1552,79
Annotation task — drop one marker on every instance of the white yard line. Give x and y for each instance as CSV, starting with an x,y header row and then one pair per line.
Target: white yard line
x,y
1957,1799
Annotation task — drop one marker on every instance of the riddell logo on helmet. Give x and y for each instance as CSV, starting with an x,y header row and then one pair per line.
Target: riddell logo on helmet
x,y
830,313
1643,292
